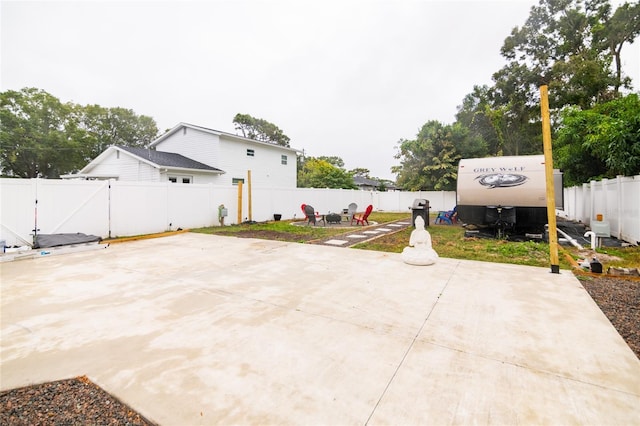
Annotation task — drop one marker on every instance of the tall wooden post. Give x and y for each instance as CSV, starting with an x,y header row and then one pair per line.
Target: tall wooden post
x,y
249,206
548,169
239,202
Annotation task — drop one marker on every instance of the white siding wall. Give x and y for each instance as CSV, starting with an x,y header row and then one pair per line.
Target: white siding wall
x,y
231,157
197,178
126,167
195,144
266,165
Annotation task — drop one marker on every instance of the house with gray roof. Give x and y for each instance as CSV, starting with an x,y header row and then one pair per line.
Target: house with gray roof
x,y
194,154
140,164
366,184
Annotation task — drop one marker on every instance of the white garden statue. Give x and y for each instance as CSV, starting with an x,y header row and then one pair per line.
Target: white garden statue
x,y
419,251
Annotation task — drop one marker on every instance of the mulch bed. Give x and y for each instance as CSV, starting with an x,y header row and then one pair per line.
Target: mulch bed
x,y
78,401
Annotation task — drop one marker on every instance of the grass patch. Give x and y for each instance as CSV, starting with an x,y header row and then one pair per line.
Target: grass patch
x,y
624,257
283,230
448,241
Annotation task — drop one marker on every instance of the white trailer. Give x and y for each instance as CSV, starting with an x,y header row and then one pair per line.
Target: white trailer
x,y
505,192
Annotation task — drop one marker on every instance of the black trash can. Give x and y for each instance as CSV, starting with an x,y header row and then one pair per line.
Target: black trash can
x,y
420,208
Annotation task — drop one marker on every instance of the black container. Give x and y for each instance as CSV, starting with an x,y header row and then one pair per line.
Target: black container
x,y
596,267
420,208
277,217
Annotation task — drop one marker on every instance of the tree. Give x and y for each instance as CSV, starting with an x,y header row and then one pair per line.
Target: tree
x,y
317,173
260,130
333,160
383,185
573,46
600,142
479,133
623,27
43,137
430,161
115,126
36,135
570,45
360,171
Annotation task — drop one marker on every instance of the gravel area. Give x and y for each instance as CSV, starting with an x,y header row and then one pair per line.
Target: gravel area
x,y
78,401
619,300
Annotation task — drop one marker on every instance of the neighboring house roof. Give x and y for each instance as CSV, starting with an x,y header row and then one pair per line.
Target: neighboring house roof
x,y
362,181
168,159
218,133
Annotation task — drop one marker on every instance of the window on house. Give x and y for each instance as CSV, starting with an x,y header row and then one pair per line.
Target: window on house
x,y
250,153
182,179
236,180
283,160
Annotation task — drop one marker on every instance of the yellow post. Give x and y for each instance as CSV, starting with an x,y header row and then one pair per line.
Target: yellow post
x,y
239,202
548,169
249,194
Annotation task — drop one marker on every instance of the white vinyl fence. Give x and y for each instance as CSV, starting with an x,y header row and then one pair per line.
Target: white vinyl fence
x,y
617,200
117,209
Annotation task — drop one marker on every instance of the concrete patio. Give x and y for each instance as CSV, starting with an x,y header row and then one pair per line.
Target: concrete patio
x,y
198,329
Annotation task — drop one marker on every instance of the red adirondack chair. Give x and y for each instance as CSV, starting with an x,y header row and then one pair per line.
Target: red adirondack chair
x,y
362,218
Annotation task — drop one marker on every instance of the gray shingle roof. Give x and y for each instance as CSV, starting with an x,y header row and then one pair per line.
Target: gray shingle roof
x,y
168,159
362,181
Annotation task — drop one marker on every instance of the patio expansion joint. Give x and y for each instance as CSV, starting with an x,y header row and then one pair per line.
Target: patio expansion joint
x,y
413,341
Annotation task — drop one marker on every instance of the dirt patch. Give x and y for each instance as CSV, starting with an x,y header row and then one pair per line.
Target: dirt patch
x,y
272,235
602,257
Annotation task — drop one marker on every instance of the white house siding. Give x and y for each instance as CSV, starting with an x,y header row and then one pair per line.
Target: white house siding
x,y
193,143
126,167
145,172
196,178
265,165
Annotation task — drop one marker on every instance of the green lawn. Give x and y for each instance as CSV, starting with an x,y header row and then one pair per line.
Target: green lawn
x,y
448,241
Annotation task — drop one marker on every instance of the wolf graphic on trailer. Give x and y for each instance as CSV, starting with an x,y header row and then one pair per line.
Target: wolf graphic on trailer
x,y
505,192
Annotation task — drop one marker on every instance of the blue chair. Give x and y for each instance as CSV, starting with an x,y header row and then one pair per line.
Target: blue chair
x,y
447,218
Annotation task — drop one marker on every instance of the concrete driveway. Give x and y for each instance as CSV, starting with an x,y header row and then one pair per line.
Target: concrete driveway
x,y
199,329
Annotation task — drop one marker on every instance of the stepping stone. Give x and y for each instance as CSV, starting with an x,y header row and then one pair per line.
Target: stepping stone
x,y
371,232
395,225
356,236
336,242
383,229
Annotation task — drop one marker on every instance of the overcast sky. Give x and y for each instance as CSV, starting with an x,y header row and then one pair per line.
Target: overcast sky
x,y
346,78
